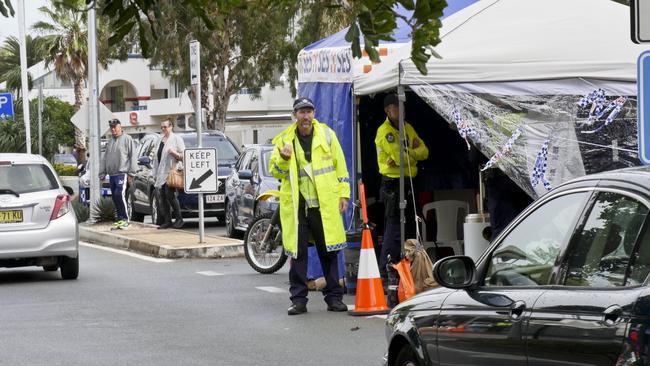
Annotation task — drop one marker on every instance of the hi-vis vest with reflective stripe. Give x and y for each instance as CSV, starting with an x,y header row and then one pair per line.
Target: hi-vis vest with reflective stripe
x,y
330,178
306,173
387,142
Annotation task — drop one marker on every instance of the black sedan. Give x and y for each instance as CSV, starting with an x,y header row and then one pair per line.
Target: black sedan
x,y
565,284
142,199
249,178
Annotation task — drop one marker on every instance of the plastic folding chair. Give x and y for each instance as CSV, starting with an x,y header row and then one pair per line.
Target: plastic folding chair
x,y
449,215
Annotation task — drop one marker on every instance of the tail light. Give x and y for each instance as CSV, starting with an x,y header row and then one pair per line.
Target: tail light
x,y
61,206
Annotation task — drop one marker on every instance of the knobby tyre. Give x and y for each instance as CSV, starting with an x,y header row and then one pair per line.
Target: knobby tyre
x,y
256,254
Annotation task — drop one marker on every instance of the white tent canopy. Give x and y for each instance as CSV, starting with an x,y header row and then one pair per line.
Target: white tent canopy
x,y
523,40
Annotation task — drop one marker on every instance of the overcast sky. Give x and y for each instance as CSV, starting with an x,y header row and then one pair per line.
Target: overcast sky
x,y
9,26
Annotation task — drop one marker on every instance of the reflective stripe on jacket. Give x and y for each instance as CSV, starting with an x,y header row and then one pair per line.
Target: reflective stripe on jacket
x,y
387,143
330,176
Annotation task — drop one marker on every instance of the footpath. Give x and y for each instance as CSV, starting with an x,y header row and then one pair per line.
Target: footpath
x,y
169,243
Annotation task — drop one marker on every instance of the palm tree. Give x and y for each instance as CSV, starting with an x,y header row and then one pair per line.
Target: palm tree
x,y
65,44
10,62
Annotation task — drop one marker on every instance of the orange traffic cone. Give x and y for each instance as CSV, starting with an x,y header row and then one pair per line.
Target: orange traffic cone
x,y
370,293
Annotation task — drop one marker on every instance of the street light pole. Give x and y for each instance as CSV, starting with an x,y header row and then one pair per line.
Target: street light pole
x,y
23,74
40,118
93,109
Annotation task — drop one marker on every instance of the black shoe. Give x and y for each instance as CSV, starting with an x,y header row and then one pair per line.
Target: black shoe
x,y
336,305
165,225
178,224
297,308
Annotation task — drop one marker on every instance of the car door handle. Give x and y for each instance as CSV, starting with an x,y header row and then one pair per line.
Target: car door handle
x,y
517,309
612,315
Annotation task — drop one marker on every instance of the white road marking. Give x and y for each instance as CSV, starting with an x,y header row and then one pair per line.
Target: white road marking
x,y
209,273
127,253
383,317
273,290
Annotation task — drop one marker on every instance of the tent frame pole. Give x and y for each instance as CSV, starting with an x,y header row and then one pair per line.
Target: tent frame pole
x,y
402,202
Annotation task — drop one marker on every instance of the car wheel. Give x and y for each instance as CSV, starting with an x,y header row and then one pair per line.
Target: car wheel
x,y
51,268
231,232
406,357
70,268
133,214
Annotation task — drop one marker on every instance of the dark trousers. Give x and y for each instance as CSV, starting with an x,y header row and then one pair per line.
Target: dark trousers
x,y
118,193
391,242
311,225
168,201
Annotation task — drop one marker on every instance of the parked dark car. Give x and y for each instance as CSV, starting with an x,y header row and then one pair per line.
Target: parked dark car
x,y
249,178
142,198
566,283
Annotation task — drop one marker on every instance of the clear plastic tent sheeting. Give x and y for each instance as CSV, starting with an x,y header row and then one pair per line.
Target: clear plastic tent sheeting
x,y
538,135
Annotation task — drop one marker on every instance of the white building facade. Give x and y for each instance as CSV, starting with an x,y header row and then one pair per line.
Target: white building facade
x,y
141,97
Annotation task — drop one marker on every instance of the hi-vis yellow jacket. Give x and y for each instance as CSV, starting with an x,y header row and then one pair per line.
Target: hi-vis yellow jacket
x,y
329,174
387,143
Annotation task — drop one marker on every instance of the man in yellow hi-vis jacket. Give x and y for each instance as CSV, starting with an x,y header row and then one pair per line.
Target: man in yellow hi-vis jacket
x,y
388,159
314,192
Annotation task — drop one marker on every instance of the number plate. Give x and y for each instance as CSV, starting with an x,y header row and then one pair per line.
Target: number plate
x,y
215,198
7,217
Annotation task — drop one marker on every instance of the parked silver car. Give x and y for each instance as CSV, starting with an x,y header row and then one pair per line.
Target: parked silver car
x,y
38,226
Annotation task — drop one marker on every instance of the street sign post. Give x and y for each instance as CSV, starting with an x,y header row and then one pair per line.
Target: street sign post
x,y
200,170
195,80
6,106
643,106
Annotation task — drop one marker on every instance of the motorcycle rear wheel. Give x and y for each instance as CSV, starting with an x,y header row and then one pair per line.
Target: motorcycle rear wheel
x,y
261,260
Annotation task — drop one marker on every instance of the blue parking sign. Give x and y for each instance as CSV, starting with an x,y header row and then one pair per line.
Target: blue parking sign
x,y
6,106
643,103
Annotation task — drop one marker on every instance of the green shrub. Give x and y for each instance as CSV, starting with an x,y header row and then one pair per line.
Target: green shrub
x,y
105,211
81,210
65,170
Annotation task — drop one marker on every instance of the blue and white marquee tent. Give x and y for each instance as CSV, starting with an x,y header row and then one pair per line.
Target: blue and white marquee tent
x,y
327,73
546,88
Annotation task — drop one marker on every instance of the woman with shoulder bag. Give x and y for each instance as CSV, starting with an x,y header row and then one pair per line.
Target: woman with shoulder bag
x,y
168,153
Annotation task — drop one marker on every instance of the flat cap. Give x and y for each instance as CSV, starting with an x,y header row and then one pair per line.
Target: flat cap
x,y
114,122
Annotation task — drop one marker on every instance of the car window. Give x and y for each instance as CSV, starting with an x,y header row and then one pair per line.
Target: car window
x,y
640,267
245,159
65,158
600,254
528,253
253,163
26,178
266,157
239,162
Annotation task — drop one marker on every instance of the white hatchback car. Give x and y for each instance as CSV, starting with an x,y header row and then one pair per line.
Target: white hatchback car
x,y
38,226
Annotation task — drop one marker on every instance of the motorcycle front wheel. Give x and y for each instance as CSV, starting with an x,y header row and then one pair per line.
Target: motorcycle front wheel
x,y
264,257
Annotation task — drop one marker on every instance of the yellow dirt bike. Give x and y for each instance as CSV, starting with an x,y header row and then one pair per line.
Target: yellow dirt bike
x,y
263,239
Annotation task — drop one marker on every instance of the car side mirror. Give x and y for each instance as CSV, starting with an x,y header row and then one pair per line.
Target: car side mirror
x,y
245,174
145,161
455,272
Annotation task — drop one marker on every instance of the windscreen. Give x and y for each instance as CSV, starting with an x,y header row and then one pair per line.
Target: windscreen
x,y
225,149
266,157
65,159
26,178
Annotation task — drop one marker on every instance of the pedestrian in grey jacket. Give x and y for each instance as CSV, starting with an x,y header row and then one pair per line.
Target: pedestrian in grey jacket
x,y
167,153
120,166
